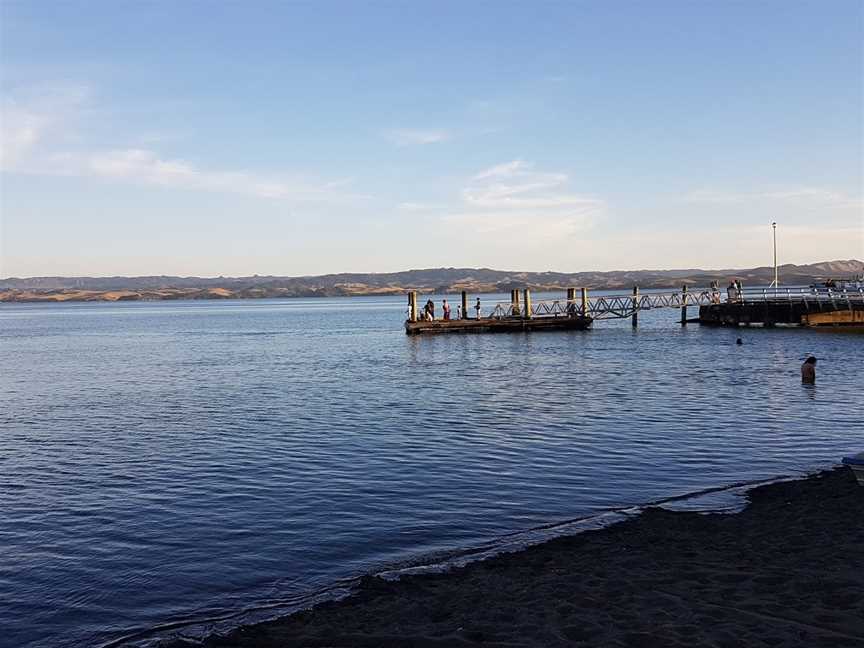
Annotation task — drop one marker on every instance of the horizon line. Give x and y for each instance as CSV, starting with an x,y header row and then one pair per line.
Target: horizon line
x,y
327,274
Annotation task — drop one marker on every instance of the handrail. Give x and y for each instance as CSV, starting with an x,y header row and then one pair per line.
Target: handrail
x,y
623,305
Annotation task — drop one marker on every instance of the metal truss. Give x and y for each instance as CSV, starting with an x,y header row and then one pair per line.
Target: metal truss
x,y
622,306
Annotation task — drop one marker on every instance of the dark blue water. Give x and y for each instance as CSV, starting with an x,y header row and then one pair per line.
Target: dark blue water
x,y
165,462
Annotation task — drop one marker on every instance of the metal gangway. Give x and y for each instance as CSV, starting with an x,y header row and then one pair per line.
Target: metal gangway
x,y
620,306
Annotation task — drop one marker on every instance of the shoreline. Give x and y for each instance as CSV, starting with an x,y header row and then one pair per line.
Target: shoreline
x,y
222,294
784,571
427,280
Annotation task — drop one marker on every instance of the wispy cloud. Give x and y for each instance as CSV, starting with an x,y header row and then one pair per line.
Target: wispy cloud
x,y
800,196
414,136
19,132
417,207
711,196
38,112
503,170
739,246
517,185
35,140
516,204
522,227
143,166
817,196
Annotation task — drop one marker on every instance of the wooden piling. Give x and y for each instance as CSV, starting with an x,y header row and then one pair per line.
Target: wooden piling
x,y
464,305
412,306
584,302
515,302
634,320
684,305
527,304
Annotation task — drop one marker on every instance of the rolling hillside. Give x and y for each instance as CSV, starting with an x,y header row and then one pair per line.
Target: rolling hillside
x,y
438,280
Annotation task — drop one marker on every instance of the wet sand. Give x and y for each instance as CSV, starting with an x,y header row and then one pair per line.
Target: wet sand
x,y
786,571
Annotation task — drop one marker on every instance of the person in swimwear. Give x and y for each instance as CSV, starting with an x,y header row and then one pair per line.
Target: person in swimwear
x,y
808,371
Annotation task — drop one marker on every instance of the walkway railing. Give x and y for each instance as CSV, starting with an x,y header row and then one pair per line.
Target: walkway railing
x,y
801,293
622,306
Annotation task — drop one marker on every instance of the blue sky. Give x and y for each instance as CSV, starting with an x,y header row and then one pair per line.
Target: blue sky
x,y
237,138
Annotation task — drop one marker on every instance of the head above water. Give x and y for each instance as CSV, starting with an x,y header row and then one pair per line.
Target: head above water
x,y
810,360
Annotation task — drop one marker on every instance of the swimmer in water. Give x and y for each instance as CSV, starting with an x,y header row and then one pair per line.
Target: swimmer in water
x,y
808,371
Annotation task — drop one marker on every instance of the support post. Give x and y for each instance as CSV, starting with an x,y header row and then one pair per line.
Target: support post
x,y
684,305
527,304
412,306
516,310
776,282
584,302
634,319
464,305
571,302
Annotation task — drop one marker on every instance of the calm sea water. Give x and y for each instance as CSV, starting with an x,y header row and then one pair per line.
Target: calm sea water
x,y
169,462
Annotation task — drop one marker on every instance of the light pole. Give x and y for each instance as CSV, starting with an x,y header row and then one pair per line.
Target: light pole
x,y
776,283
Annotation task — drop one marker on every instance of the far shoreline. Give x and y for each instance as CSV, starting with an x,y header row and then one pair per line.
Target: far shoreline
x,y
442,280
117,296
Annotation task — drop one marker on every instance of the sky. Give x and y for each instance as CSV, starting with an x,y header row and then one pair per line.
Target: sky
x,y
239,138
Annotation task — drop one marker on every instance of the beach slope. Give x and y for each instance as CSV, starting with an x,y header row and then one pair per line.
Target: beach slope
x,y
786,571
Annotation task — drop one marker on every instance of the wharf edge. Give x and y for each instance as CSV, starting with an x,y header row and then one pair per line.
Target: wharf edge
x,y
752,307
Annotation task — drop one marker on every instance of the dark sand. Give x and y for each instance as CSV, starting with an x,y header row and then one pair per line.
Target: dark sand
x,y
787,571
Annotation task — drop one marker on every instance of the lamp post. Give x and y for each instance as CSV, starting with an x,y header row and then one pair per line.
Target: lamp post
x,y
776,283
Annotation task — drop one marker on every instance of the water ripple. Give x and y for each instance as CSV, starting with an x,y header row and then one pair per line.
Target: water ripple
x,y
168,463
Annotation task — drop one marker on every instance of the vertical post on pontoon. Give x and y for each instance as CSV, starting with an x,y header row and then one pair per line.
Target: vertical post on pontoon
x,y
684,305
412,306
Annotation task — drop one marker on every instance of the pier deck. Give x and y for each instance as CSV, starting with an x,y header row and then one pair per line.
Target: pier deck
x,y
752,307
499,325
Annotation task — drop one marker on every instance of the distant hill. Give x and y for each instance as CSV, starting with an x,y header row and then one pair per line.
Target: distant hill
x,y
437,280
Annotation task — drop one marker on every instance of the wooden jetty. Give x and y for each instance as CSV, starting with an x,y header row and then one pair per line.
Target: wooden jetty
x,y
752,307
519,315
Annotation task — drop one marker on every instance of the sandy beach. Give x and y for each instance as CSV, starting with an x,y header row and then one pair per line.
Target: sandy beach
x,y
786,571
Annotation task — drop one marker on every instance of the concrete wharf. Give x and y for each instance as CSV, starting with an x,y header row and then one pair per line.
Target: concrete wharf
x,y
766,307
771,307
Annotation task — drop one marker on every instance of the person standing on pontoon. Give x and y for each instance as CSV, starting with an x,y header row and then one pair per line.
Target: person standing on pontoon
x,y
732,292
715,292
477,308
